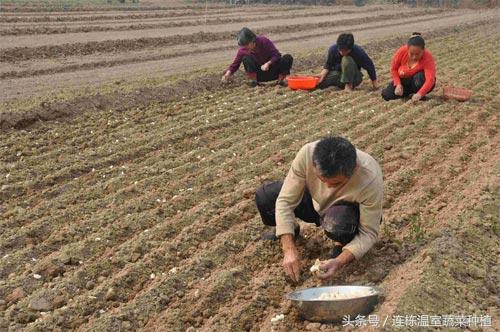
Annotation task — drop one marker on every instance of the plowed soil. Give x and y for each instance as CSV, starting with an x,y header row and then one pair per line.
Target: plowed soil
x,y
131,207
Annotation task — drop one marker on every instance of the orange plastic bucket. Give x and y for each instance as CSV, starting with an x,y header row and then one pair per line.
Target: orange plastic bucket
x,y
302,82
460,94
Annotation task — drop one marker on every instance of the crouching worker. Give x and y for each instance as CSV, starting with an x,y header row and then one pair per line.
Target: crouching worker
x,y
334,186
262,61
343,65
413,71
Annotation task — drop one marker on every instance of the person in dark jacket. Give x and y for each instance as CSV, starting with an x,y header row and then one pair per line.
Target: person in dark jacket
x,y
343,65
262,61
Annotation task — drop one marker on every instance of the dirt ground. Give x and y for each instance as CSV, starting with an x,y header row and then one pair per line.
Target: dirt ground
x,y
35,64
127,177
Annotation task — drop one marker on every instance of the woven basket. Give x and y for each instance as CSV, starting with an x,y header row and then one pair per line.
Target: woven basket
x,y
460,94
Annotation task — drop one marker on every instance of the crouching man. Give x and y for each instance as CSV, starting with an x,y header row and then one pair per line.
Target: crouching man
x,y
335,186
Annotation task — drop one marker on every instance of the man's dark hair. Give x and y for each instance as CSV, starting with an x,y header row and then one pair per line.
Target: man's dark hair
x,y
345,41
245,36
334,155
416,40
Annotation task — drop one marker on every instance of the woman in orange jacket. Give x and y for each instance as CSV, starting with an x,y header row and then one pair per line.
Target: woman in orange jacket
x,y
413,71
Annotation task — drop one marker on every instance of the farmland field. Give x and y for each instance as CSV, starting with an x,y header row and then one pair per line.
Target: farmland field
x,y
128,173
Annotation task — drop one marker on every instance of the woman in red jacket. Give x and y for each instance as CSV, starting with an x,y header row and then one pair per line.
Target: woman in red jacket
x,y
413,71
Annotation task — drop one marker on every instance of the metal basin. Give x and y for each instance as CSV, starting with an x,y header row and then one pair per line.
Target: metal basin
x,y
331,304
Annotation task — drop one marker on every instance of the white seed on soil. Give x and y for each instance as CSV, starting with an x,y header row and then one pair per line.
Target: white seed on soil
x,y
98,239
315,269
102,311
277,318
173,270
152,276
37,276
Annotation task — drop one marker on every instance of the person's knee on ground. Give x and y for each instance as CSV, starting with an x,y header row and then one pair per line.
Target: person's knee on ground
x,y
323,85
284,65
265,199
349,72
331,79
389,92
251,67
340,223
418,80
286,62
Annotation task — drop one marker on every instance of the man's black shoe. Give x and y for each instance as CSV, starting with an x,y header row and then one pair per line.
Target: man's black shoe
x,y
283,83
253,83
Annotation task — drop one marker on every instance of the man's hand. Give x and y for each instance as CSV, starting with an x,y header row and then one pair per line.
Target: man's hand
x,y
399,90
322,75
291,260
265,67
416,97
226,77
375,85
331,266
